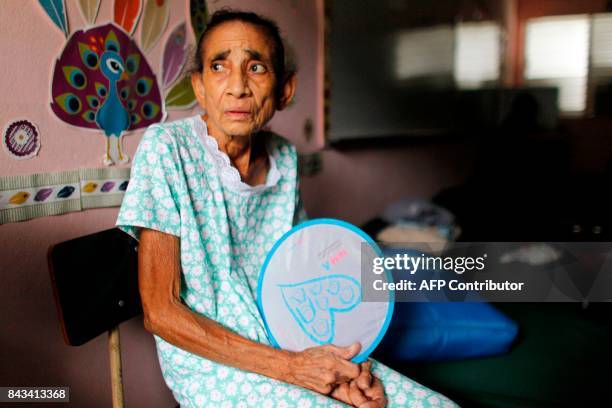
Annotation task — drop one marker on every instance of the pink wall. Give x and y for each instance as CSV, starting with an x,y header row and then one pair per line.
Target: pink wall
x,y
31,346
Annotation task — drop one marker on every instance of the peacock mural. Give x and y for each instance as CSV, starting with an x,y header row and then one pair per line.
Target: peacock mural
x,y
102,79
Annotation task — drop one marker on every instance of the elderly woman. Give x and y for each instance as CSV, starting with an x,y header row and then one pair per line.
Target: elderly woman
x,y
208,198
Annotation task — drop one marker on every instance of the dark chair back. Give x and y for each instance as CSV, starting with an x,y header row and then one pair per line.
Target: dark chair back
x,y
95,281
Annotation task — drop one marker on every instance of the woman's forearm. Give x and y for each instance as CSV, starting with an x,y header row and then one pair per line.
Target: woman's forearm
x,y
202,336
166,316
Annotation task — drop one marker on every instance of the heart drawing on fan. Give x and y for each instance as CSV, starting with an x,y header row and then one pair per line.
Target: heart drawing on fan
x,y
314,303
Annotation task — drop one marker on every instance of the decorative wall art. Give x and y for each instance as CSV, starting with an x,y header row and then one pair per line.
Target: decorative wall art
x,y
102,80
21,139
38,195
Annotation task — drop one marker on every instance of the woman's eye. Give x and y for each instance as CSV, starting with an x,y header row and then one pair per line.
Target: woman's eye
x,y
258,68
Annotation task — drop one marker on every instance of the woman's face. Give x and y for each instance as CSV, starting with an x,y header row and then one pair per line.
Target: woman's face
x,y
237,85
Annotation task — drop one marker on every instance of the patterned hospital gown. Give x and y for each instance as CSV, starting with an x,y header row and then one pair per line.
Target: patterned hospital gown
x,y
183,185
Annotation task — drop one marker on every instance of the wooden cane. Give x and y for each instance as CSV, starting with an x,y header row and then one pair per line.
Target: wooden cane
x,y
114,354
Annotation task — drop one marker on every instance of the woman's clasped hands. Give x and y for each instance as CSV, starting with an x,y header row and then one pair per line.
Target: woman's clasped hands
x,y
328,370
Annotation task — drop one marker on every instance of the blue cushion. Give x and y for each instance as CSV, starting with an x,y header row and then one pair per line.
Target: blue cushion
x,y
446,331
437,331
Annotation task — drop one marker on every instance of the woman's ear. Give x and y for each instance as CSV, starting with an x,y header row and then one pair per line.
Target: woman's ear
x,y
198,88
287,92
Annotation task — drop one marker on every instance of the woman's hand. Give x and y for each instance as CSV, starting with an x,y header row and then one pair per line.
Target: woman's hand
x,y
323,368
366,391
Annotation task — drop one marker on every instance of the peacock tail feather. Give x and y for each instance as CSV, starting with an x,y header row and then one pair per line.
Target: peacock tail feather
x,y
89,10
79,88
154,21
126,14
56,10
174,55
